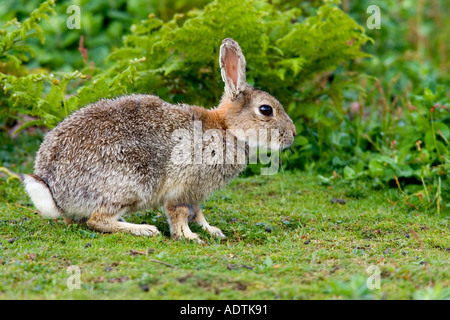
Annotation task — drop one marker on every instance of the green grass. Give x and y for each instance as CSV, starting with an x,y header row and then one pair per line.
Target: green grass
x,y
316,249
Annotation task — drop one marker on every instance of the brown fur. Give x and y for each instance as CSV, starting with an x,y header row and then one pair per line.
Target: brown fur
x,y
115,156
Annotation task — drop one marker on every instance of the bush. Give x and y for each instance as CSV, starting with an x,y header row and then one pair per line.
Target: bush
x,y
178,61
104,23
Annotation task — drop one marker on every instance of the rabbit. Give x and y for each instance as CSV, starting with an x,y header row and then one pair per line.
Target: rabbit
x,y
114,156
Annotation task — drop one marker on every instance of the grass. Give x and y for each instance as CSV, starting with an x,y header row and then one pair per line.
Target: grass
x,y
287,238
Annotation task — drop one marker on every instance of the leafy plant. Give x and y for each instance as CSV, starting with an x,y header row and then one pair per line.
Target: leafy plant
x,y
177,60
38,94
103,24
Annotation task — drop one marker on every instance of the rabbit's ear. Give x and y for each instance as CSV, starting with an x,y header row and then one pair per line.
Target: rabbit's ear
x,y
232,65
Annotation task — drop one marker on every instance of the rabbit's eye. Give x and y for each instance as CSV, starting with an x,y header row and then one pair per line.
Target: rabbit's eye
x,y
266,110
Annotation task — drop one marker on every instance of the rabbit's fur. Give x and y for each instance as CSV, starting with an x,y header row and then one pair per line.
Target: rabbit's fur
x,y
114,156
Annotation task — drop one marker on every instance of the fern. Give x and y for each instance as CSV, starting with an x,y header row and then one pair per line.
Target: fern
x,y
178,59
283,53
40,95
13,35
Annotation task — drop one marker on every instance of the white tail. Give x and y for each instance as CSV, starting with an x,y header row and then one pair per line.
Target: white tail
x,y
41,196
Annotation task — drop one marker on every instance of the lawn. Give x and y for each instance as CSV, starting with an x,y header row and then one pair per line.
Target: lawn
x,y
288,237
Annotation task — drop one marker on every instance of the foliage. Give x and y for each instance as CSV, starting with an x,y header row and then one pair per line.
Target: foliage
x,y
104,23
190,72
383,131
411,147
411,44
25,92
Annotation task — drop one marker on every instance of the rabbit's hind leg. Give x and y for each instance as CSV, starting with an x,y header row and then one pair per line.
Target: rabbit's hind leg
x,y
109,223
198,217
177,216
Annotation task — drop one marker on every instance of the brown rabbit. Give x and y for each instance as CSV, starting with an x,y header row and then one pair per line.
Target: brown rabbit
x,y
117,156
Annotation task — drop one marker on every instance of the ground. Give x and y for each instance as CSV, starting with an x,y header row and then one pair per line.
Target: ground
x,y
287,238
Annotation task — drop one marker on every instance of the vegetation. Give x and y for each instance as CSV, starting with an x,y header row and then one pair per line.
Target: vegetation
x,y
372,112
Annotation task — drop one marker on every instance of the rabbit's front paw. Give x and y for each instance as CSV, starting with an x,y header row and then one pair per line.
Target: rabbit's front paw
x,y
144,230
215,232
187,234
108,223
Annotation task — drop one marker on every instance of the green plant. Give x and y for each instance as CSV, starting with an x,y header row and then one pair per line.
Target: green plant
x,y
40,94
103,24
177,59
410,153
382,130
